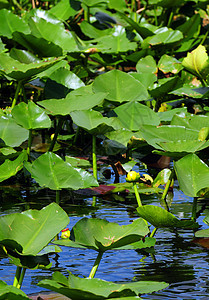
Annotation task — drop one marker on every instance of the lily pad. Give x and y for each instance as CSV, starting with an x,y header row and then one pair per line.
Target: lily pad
x,y
160,218
84,288
101,235
31,116
29,232
10,292
192,174
120,87
10,167
51,171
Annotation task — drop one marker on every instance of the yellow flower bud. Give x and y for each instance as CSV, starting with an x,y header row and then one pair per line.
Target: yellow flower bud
x,y
65,233
132,176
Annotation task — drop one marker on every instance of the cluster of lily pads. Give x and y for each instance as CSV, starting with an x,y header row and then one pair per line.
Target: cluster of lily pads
x,y
117,78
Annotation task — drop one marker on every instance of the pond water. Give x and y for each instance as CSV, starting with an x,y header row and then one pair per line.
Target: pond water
x,y
175,258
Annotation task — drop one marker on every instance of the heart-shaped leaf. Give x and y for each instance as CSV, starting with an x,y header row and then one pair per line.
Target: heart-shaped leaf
x,y
160,218
8,125
196,62
133,115
10,167
31,116
10,292
50,170
101,235
192,174
96,289
30,231
120,87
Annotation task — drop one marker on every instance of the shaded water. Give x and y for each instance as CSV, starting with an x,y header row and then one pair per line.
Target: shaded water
x,y
175,259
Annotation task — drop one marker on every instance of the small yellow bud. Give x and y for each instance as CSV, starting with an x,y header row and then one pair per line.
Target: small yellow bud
x,y
65,233
132,176
52,136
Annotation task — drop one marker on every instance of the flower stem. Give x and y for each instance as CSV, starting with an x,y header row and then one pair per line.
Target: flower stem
x,y
137,194
19,84
194,209
94,156
29,142
96,264
19,276
168,184
57,131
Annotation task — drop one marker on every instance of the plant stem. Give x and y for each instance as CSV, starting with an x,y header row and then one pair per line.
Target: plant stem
x,y
19,84
166,190
137,194
96,264
155,15
94,156
170,18
19,276
194,209
153,232
57,131
22,275
29,142
204,38
87,14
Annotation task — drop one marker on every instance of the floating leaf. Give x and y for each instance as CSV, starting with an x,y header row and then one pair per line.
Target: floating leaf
x,y
19,71
96,289
30,231
10,292
160,218
146,65
72,102
101,235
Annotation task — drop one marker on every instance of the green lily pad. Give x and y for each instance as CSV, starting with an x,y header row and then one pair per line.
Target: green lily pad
x,y
192,174
10,292
50,170
133,115
10,167
8,125
29,232
31,116
160,218
196,62
19,71
101,235
120,87
96,289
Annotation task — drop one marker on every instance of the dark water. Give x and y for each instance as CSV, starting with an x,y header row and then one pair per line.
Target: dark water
x,y
175,259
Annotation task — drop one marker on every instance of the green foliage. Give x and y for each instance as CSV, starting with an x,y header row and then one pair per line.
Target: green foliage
x,y
73,72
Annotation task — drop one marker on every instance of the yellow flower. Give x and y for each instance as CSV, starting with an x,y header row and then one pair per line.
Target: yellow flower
x,y
65,233
148,178
132,176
